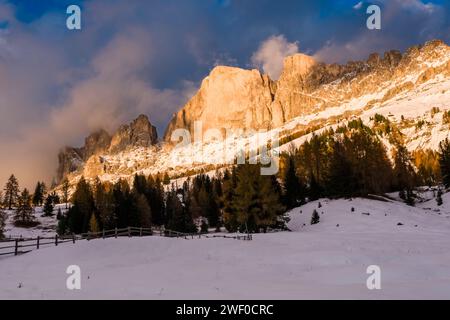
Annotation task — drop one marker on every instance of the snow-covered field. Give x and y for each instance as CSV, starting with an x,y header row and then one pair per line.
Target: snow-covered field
x,y
46,227
325,261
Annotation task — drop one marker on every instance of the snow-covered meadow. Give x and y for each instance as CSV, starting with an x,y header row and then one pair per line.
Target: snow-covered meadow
x,y
411,245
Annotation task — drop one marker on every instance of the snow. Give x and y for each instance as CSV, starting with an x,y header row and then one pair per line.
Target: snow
x,y
46,228
324,261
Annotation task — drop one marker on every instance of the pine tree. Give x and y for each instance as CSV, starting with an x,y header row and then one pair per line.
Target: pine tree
x,y
294,190
155,198
24,213
104,205
48,206
62,225
11,192
83,206
444,161
403,171
2,223
38,195
55,198
143,211
315,219
256,200
228,198
59,214
179,218
439,197
341,180
204,227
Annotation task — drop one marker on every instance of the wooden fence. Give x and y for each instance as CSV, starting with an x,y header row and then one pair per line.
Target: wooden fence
x,y
18,246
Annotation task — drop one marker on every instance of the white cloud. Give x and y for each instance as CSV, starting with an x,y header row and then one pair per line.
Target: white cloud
x,y
271,53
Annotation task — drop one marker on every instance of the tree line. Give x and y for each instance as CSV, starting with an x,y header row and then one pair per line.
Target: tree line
x,y
348,161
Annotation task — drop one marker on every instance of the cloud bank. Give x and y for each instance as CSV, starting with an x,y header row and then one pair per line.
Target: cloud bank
x,y
271,54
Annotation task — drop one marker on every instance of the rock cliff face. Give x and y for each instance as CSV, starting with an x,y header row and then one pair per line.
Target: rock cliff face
x,y
236,98
139,133
410,89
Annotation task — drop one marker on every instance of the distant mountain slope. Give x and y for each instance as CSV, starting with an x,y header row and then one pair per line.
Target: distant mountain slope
x,y
411,90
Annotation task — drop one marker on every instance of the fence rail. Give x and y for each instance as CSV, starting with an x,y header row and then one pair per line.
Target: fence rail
x,y
16,246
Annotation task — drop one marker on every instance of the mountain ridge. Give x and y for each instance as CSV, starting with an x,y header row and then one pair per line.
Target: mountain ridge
x,y
308,96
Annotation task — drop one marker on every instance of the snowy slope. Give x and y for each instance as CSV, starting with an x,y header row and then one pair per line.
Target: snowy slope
x,y
46,228
311,262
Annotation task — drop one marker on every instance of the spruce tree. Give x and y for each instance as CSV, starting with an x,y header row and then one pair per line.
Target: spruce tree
x,y
38,195
83,206
62,225
155,198
293,188
143,211
179,218
315,219
228,201
11,192
48,206
257,199
104,205
439,198
24,213
122,203
2,223
444,161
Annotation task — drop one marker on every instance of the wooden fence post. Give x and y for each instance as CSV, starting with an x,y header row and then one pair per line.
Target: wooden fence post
x,y
115,233
103,235
129,232
73,237
16,250
56,240
140,234
37,242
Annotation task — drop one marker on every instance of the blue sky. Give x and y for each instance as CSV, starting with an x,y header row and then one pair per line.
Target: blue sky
x,y
149,57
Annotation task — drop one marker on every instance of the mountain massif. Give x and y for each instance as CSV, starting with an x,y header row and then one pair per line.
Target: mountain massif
x,y
411,89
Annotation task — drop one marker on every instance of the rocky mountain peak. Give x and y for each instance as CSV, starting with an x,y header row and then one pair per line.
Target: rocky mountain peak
x,y
139,133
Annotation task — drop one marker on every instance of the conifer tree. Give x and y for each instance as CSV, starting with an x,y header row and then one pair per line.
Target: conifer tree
x,y
83,206
179,218
143,211
11,192
155,198
315,219
444,161
104,205
48,206
24,213
228,198
2,223
439,197
294,190
256,200
38,195
122,203
404,174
